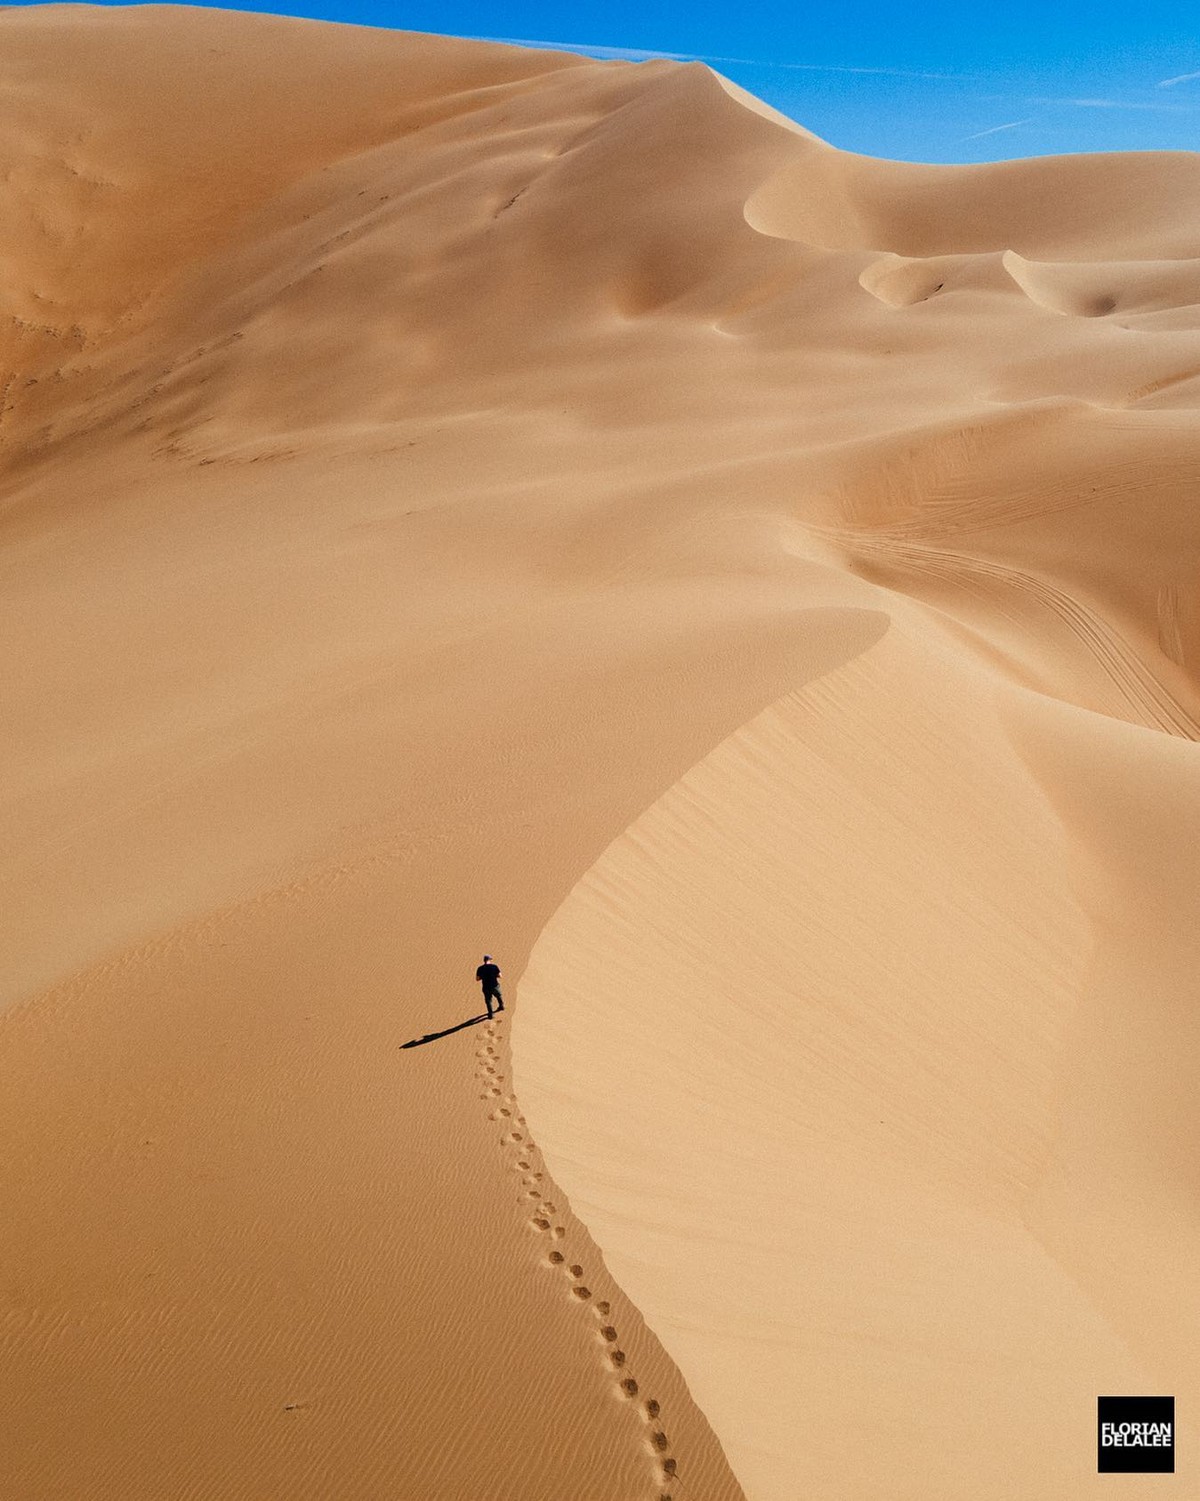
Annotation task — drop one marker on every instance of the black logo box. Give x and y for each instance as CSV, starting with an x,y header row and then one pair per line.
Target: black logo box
x,y
1119,1450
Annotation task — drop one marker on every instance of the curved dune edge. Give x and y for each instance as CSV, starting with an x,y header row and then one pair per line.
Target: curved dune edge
x,y
1137,205
838,1159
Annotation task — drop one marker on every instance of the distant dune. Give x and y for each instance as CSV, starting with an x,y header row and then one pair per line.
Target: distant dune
x,y
461,498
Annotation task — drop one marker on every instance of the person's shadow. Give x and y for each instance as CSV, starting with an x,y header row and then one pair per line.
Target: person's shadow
x,y
419,1042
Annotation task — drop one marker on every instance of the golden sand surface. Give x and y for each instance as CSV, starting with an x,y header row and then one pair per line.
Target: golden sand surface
x,y
458,498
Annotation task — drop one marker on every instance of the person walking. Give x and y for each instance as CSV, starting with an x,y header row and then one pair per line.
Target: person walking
x,y
488,975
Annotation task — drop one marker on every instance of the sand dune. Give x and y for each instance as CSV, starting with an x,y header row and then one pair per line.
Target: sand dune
x,y
459,498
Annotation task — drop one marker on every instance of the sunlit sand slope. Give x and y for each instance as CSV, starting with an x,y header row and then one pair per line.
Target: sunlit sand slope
x,y
893,1111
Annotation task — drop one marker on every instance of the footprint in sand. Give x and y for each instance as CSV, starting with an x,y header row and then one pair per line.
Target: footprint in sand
x,y
657,1440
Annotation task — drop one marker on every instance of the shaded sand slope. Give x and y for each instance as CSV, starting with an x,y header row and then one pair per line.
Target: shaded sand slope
x,y
416,456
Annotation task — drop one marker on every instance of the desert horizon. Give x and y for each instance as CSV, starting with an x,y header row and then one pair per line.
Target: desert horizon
x,y
465,499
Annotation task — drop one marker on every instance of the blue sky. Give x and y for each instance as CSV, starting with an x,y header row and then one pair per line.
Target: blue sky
x,y
934,80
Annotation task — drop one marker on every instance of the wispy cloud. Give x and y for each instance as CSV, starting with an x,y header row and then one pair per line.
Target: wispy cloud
x,y
606,54
1060,102
642,55
1169,83
839,68
994,129
1122,104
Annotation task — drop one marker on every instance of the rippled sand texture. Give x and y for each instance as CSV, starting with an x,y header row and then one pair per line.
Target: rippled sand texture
x,y
459,498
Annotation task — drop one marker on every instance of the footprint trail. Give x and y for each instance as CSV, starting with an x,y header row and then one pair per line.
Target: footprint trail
x,y
521,1157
